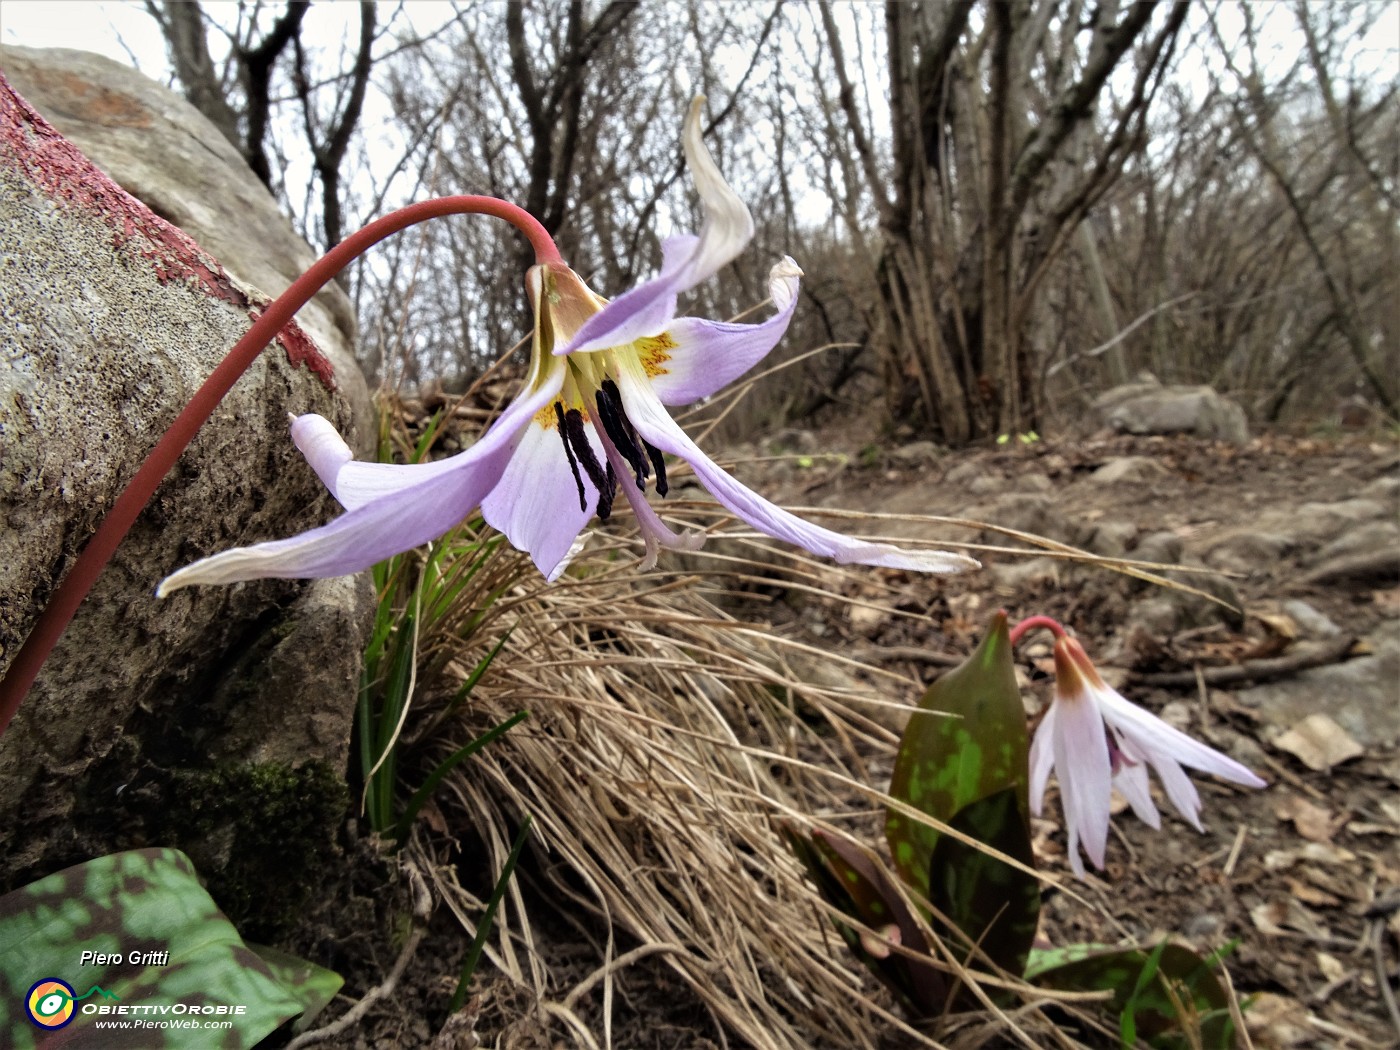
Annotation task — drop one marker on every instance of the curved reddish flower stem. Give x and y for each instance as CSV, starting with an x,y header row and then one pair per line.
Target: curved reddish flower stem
x,y
1030,623
67,596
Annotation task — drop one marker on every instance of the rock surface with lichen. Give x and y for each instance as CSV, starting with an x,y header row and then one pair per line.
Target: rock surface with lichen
x,y
110,318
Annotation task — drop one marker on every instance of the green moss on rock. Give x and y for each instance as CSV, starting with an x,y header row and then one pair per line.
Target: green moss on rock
x,y
263,836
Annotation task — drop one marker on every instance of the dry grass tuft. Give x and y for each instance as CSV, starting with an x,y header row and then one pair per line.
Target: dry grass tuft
x,y
666,741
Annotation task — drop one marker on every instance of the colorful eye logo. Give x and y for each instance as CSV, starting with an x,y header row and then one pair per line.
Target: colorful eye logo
x,y
50,1003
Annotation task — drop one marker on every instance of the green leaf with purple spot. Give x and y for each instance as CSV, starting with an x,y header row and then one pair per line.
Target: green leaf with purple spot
x,y
996,906
1168,996
160,951
967,742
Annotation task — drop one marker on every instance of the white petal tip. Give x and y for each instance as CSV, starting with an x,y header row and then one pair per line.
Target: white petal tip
x,y
944,563
1241,775
783,281
953,563
575,549
177,581
787,268
728,224
690,540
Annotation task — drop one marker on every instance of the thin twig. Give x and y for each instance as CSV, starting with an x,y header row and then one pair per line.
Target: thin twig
x,y
1302,658
1288,775
1234,858
621,962
422,909
918,654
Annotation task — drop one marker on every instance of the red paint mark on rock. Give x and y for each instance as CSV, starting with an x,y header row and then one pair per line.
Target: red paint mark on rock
x,y
33,147
302,351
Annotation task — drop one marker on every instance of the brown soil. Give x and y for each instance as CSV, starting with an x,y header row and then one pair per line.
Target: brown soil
x,y
1305,875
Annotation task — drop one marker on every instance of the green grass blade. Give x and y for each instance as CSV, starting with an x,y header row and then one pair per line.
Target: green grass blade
x,y
483,930
480,669
410,812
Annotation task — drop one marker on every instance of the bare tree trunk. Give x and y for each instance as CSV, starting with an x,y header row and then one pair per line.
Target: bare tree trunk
x,y
182,25
970,217
1254,118
328,147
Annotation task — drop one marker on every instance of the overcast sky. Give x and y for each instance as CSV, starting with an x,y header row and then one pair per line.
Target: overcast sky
x,y
89,25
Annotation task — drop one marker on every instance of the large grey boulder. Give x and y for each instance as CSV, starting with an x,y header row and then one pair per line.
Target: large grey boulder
x,y
167,155
1150,408
184,721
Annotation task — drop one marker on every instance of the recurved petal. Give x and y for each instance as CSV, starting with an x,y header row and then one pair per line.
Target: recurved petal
x,y
687,260
704,356
536,503
358,538
1042,759
415,504
728,224
1085,773
650,418
1179,789
322,446
357,482
1154,738
1131,782
645,310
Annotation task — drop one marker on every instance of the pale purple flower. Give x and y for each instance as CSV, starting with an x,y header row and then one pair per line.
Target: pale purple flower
x,y
1095,741
589,420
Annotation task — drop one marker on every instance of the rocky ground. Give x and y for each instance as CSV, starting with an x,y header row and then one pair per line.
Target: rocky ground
x,y
1303,685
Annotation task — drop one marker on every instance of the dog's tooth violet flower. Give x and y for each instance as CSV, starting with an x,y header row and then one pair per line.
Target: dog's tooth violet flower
x,y
1095,740
590,420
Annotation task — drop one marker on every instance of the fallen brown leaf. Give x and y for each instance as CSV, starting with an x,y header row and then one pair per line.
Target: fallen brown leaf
x,y
1314,852
1279,624
1332,968
1319,743
1281,915
1311,894
1313,822
1277,1021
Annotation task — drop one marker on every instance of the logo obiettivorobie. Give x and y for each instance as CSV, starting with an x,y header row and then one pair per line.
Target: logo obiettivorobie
x,y
50,1003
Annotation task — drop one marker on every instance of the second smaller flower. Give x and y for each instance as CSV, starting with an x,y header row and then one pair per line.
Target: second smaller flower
x,y
1095,741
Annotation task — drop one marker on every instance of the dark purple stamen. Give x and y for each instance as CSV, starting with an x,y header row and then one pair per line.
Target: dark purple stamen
x,y
619,429
631,444
603,480
659,464
569,451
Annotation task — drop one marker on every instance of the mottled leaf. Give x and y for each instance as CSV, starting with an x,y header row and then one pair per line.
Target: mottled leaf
x,y
313,985
966,742
856,886
161,952
995,905
1147,986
